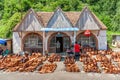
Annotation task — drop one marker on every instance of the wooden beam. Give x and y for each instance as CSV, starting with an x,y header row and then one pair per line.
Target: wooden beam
x,y
20,34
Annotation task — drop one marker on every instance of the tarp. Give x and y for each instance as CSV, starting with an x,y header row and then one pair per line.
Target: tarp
x,y
2,41
59,29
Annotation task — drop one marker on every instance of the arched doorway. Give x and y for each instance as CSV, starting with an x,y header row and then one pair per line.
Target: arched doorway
x,y
90,41
58,42
33,43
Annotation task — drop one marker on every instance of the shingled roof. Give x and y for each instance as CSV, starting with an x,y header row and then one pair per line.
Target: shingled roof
x,y
73,17
45,16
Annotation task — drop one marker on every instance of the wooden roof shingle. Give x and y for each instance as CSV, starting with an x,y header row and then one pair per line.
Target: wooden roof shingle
x,y
73,17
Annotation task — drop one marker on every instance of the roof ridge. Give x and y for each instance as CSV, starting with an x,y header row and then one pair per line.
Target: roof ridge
x,y
71,16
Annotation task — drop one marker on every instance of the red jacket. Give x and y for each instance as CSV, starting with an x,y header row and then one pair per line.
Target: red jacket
x,y
77,48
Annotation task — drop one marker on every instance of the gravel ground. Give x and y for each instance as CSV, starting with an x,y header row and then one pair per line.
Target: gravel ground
x,y
59,74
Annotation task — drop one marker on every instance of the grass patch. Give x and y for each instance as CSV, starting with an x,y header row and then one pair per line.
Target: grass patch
x,y
113,33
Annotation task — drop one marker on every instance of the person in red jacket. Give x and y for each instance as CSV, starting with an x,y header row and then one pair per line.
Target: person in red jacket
x,y
77,50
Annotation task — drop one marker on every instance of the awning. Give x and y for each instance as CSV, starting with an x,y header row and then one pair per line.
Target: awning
x,y
59,29
2,41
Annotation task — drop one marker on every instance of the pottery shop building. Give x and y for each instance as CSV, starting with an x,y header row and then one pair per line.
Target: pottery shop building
x,y
41,31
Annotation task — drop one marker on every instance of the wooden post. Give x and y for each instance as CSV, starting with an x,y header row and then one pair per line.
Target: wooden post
x,y
43,42
74,40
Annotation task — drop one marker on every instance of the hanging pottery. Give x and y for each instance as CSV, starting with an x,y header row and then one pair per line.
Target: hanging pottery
x,y
87,33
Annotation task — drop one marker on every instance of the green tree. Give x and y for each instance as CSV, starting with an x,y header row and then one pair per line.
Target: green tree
x,y
1,8
11,24
108,11
116,19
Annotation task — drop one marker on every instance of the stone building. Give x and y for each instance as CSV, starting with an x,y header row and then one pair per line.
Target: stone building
x,y
116,40
40,31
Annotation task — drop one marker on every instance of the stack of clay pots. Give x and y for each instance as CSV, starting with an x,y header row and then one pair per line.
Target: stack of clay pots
x,y
48,68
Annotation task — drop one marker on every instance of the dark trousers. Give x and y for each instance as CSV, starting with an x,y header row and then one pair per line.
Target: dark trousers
x,y
77,55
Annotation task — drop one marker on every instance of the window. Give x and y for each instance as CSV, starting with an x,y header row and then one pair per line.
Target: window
x,y
53,42
66,42
86,41
33,41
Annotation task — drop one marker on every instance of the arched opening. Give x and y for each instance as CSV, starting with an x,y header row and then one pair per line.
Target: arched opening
x,y
32,43
58,42
90,41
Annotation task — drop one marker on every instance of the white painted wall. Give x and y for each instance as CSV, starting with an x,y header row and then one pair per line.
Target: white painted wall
x,y
102,40
16,43
118,37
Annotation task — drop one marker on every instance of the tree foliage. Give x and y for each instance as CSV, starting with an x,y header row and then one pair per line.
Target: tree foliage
x,y
10,11
116,19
